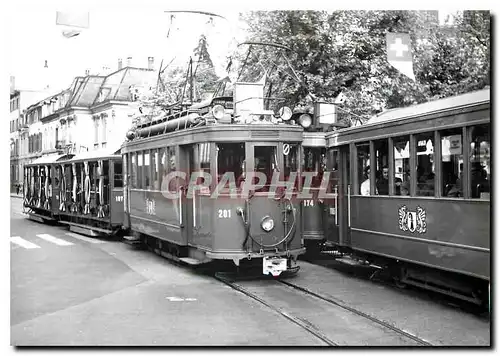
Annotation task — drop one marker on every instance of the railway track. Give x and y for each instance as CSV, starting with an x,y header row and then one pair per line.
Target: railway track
x,y
336,324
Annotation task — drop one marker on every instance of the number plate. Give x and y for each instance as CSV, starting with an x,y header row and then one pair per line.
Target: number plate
x,y
273,265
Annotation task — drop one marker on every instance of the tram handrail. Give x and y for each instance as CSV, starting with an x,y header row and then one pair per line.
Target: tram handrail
x,y
336,205
349,204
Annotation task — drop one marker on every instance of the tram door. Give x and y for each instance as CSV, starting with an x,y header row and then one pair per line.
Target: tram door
x,y
337,206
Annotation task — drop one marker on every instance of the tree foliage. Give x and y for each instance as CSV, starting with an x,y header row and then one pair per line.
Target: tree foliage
x,y
345,51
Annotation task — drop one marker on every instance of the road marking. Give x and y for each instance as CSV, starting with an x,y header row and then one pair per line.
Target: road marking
x,y
54,240
177,299
84,238
18,240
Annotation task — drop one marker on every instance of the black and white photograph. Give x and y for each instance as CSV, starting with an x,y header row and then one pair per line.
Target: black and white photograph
x,y
215,176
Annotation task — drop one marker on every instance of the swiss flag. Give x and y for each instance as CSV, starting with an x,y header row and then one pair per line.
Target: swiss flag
x,y
399,53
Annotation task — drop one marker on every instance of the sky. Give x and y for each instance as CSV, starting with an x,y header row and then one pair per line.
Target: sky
x,y
113,33
127,30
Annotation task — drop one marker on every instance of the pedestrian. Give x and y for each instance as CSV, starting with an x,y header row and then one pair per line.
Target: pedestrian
x,y
17,188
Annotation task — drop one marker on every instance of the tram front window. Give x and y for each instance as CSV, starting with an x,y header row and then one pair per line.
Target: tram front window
x,y
314,161
265,162
230,161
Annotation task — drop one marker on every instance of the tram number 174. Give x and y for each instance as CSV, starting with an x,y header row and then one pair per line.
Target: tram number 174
x,y
309,202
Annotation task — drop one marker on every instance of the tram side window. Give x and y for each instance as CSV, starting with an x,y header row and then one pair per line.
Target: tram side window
x,y
364,168
133,169
402,165
154,168
140,164
204,152
147,171
382,169
425,164
118,179
452,162
230,161
480,161
266,162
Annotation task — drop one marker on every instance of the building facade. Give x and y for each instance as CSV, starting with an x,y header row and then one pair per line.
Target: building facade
x,y
95,112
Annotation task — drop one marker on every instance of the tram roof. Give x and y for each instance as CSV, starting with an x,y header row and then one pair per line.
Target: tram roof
x,y
103,153
453,102
49,159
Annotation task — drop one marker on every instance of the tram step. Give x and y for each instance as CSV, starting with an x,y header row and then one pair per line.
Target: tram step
x,y
189,260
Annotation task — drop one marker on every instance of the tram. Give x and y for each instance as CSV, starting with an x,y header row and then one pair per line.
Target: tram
x,y
414,190
41,195
90,192
204,183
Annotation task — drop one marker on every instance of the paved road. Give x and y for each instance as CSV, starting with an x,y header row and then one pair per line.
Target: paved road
x,y
78,292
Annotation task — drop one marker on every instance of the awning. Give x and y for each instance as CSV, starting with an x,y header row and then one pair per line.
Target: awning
x,y
103,153
48,159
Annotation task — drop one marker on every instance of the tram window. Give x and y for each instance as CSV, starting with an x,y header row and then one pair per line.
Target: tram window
x,y
204,152
133,169
147,171
480,161
452,162
57,177
230,160
290,163
364,168
425,164
382,169
118,179
140,164
314,161
266,162
172,165
154,167
402,165
162,165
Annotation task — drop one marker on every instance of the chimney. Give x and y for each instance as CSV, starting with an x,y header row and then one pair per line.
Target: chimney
x,y
12,83
129,61
151,63
120,64
87,72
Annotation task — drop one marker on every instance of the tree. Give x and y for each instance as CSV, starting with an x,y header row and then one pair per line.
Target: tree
x,y
345,51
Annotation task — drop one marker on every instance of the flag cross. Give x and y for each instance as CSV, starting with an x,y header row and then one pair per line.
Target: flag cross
x,y
399,47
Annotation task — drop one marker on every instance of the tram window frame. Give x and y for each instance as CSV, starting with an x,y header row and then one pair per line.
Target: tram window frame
x,y
140,169
406,171
147,170
381,154
425,188
154,169
319,156
360,174
118,174
478,170
293,162
133,169
451,183
269,165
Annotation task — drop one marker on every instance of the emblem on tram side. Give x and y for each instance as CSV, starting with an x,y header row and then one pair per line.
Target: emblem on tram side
x,y
412,220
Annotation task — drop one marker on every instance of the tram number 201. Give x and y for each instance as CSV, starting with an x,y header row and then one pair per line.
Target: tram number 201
x,y
224,213
309,202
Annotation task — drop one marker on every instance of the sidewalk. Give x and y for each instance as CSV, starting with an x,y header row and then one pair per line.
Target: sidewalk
x,y
14,195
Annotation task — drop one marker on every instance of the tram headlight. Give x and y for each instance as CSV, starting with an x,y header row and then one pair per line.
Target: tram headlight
x,y
305,120
267,223
218,111
285,113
